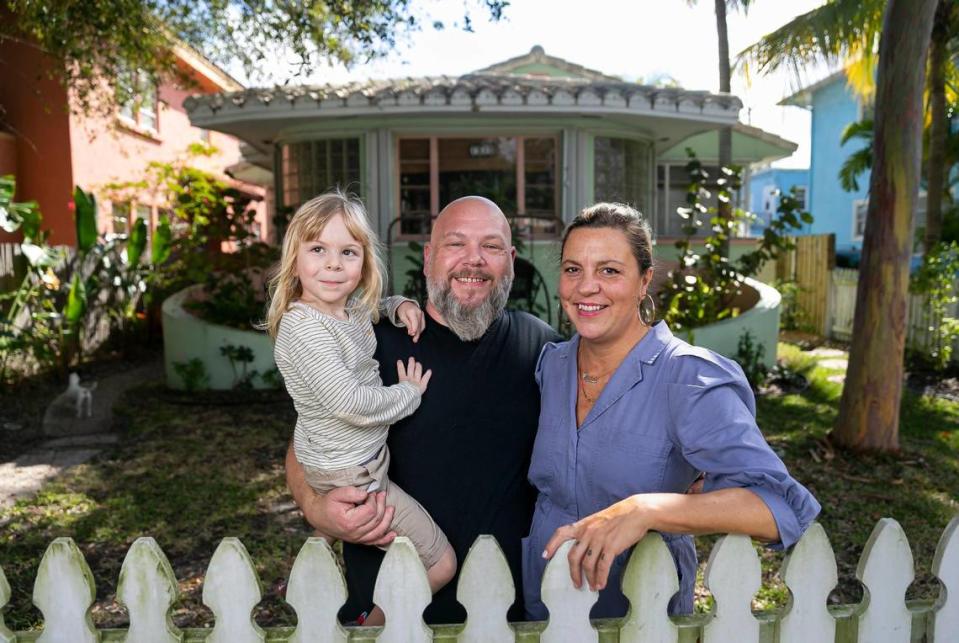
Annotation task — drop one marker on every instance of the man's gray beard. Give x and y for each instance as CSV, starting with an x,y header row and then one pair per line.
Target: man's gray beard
x,y
469,323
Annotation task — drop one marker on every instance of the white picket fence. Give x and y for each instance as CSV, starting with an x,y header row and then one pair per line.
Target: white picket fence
x,y
842,304
64,592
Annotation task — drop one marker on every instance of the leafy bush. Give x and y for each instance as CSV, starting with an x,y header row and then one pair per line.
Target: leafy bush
x,y
64,291
936,279
702,289
750,356
193,374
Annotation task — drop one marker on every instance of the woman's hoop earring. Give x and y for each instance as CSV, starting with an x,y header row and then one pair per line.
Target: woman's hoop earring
x,y
647,311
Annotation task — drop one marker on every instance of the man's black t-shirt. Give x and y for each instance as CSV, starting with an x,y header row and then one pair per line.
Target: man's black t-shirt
x,y
464,454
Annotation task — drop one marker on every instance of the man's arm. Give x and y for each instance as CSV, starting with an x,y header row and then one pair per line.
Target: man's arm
x,y
347,513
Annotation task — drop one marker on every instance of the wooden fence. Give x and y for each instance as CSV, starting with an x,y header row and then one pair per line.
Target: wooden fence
x,y
64,591
810,264
920,329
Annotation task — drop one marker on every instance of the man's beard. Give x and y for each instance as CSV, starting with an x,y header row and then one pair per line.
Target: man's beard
x,y
469,322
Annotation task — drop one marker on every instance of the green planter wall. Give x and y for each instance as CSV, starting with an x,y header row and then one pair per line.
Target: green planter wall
x,y
762,322
187,337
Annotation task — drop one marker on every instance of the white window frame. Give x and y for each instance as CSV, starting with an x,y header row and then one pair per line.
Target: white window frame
x,y
856,235
921,206
133,113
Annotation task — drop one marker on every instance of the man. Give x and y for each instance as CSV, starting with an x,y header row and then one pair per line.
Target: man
x,y
465,453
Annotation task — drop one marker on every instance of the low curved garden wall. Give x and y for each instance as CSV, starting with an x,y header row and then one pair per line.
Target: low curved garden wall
x,y
761,321
189,342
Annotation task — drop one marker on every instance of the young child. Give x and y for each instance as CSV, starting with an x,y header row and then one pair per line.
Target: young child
x,y
325,294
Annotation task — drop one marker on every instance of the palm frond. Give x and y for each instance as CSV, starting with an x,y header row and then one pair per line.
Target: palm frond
x,y
858,163
838,31
859,130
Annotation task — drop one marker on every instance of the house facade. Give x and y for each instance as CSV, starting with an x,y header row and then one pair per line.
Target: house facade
x,y
541,136
834,107
766,186
51,147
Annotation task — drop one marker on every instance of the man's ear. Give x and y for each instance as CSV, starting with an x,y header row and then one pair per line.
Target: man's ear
x,y
427,250
512,252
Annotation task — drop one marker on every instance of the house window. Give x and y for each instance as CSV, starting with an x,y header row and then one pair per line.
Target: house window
x,y
138,101
621,172
518,173
121,217
310,168
799,192
859,208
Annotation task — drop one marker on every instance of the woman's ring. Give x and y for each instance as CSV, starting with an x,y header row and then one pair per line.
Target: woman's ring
x,y
589,552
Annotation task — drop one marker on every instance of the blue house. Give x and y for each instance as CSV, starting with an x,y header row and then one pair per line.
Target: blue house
x,y
765,188
834,106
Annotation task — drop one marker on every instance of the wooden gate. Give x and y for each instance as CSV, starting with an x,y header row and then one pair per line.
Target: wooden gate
x,y
810,265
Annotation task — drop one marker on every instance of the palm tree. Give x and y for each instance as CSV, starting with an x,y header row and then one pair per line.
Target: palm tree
x,y
844,30
847,32
725,73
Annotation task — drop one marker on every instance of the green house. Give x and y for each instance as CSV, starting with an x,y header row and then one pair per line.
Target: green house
x,y
539,135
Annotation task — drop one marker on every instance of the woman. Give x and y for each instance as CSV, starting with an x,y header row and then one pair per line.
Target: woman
x,y
630,416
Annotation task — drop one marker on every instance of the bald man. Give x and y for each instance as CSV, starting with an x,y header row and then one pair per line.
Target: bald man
x,y
465,453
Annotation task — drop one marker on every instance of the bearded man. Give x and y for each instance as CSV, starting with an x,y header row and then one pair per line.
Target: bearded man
x,y
464,454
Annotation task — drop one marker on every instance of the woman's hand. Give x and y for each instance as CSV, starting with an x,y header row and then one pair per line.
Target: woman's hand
x,y
599,539
412,317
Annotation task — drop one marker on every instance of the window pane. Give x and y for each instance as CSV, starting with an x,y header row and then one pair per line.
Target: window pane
x,y
310,168
621,172
478,166
415,186
121,218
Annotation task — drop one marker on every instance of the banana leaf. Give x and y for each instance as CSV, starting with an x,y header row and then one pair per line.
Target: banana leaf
x,y
162,241
76,301
85,216
137,242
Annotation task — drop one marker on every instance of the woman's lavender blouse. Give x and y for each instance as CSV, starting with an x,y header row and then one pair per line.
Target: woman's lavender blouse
x,y
670,411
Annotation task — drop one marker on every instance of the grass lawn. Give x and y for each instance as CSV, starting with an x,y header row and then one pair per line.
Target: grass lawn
x,y
190,474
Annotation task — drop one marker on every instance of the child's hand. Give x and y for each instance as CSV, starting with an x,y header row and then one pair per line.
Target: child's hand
x,y
413,373
412,317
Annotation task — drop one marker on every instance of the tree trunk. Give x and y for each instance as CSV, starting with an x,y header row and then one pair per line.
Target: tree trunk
x,y
869,410
939,126
725,210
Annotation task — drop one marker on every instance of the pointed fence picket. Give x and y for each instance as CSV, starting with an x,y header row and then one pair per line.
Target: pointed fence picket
x,y
6,636
733,575
568,607
403,592
945,567
886,570
809,573
486,590
316,591
64,592
148,589
231,590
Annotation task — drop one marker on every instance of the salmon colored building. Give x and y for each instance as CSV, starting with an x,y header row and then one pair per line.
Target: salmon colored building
x,y
51,148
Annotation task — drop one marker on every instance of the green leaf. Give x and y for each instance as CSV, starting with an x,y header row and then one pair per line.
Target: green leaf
x,y
76,300
162,241
138,241
85,216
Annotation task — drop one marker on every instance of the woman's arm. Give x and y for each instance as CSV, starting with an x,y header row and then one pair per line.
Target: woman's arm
x,y
604,535
346,513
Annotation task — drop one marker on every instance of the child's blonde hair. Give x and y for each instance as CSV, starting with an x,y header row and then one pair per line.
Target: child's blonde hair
x,y
307,225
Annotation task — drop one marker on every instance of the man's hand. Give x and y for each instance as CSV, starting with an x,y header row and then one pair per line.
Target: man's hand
x,y
346,513
352,515
412,317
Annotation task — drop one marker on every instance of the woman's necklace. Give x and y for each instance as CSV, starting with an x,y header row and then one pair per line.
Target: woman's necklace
x,y
589,378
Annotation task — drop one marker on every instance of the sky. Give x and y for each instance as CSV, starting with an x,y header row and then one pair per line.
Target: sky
x,y
633,39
